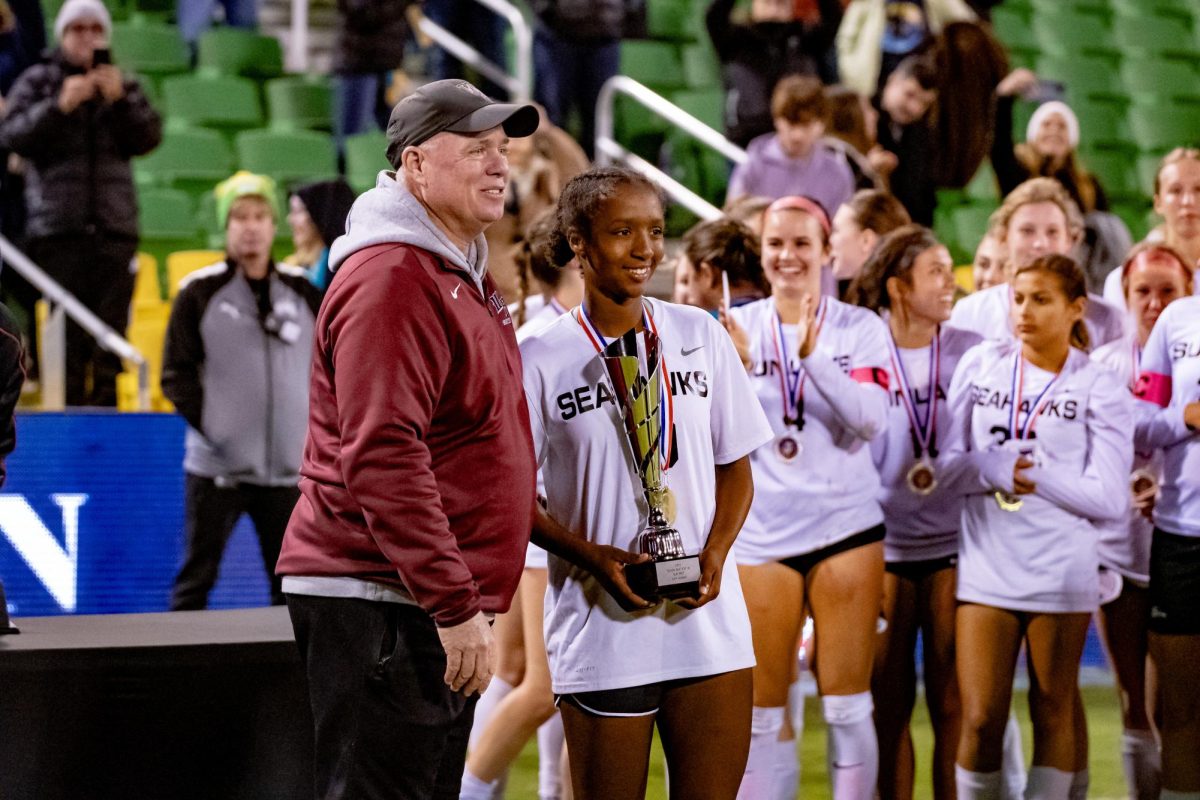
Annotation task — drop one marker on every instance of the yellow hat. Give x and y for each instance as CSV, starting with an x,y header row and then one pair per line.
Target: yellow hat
x,y
245,184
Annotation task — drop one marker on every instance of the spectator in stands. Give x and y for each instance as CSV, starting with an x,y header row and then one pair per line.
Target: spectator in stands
x,y
478,26
852,125
576,48
877,35
370,40
77,123
904,132
858,226
755,56
793,160
317,215
235,364
196,16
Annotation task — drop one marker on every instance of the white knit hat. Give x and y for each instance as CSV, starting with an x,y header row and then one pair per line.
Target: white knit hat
x,y
1054,107
75,10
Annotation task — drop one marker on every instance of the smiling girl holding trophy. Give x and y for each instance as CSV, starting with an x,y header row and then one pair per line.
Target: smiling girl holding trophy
x,y
814,535
909,281
640,409
1046,433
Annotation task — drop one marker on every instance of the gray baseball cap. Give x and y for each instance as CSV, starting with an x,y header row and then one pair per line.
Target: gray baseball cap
x,y
455,106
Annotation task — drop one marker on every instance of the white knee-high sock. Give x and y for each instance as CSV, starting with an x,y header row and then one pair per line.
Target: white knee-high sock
x,y
497,690
758,781
550,745
853,750
977,785
1048,783
475,789
1079,784
785,783
1143,764
1013,787
795,704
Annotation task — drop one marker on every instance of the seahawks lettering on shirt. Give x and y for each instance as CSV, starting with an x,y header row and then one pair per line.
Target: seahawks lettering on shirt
x,y
587,398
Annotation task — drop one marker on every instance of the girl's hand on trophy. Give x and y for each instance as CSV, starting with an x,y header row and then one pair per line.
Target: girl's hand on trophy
x,y
741,339
608,565
711,563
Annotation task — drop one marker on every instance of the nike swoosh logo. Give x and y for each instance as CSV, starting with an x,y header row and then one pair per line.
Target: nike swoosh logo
x,y
454,291
683,351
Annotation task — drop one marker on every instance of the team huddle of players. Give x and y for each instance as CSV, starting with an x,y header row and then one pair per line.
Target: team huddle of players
x,y
990,473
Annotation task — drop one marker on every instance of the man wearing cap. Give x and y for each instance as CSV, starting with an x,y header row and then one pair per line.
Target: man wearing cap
x,y
235,364
417,485
77,122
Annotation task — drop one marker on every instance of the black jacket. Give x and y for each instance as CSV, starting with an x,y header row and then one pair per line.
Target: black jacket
x,y
912,182
370,36
79,177
12,375
754,57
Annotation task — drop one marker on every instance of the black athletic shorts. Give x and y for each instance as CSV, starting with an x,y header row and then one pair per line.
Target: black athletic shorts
x,y
632,701
917,571
805,562
1174,583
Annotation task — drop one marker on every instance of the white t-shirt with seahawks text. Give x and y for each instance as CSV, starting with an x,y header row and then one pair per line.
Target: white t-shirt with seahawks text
x,y
592,488
1042,557
830,490
1170,380
920,527
987,313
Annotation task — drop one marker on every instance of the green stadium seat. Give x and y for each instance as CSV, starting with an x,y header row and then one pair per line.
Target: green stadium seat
x,y
290,157
1101,125
1183,10
1160,77
365,157
701,69
1157,129
148,48
1070,34
1012,27
971,224
1145,170
638,128
1134,215
167,222
672,20
983,187
300,102
698,167
658,65
1150,35
194,160
1086,78
236,51
706,105
1115,171
223,102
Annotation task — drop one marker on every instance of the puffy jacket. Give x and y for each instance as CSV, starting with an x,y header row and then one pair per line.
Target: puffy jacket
x,y
237,371
79,176
370,35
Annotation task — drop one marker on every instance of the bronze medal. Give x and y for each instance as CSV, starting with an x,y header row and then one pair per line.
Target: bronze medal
x,y
788,448
921,478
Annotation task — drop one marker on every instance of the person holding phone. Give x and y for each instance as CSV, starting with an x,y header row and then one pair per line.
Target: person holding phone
x,y
78,121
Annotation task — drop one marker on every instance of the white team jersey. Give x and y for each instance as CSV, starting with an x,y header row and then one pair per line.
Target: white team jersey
x,y
1114,295
592,488
920,527
535,557
830,490
987,313
1170,380
1042,557
1125,544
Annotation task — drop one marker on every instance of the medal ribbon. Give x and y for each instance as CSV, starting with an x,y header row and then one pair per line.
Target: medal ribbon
x,y
791,384
666,406
1018,385
924,433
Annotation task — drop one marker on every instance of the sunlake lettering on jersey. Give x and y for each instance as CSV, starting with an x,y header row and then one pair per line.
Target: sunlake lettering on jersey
x,y
590,398
1180,350
771,366
922,397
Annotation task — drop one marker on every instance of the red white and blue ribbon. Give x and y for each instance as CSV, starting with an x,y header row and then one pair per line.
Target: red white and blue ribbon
x,y
924,432
1018,386
791,383
666,406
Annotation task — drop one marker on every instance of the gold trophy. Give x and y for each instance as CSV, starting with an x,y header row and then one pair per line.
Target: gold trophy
x,y
670,573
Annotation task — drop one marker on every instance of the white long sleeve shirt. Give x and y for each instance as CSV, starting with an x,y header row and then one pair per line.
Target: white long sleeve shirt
x,y
988,313
1042,557
830,490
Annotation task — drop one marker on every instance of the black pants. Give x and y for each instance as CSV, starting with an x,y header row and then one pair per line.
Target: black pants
x,y
387,725
210,514
96,268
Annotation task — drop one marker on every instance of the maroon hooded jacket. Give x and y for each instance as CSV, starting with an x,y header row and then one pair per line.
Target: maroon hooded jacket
x,y
418,469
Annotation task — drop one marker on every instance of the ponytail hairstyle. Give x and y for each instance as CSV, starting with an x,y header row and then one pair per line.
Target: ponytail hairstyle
x,y
531,252
893,257
1073,283
580,199
729,246
877,211
1146,250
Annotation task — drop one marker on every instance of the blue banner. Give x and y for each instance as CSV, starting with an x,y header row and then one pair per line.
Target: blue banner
x,y
91,519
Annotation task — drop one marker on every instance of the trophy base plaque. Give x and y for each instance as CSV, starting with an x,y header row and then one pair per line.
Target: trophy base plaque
x,y
666,579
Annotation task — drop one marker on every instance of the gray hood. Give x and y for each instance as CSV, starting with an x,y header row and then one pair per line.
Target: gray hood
x,y
389,213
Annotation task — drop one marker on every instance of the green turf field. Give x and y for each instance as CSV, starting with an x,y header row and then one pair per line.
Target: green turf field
x,y
1104,726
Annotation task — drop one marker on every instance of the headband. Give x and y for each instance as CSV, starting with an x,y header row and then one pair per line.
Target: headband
x,y
805,204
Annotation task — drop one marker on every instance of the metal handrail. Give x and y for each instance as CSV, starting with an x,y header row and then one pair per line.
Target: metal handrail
x,y
608,149
55,294
520,85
